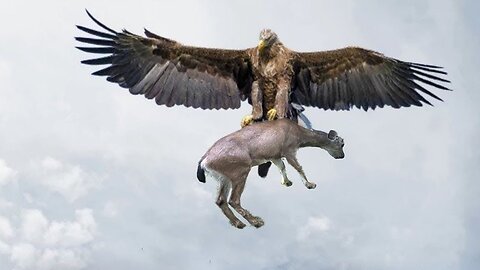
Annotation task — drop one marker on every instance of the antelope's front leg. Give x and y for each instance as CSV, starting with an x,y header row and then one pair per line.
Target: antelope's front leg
x,y
281,166
292,160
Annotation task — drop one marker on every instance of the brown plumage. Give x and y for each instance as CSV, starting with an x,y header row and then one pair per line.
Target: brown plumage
x,y
270,75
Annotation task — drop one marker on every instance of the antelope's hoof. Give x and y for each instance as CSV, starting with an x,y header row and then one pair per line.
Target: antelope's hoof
x,y
310,185
247,120
271,114
286,182
257,222
238,224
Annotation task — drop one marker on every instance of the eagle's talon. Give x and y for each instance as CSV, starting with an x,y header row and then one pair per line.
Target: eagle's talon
x,y
271,114
247,120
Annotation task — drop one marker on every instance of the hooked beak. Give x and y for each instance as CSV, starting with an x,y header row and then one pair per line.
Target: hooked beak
x,y
261,44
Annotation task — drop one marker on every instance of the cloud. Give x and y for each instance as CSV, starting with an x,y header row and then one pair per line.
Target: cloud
x,y
4,248
7,174
71,181
6,233
27,256
110,209
4,204
314,225
51,164
36,228
49,244
6,230
24,255
74,233
28,197
60,259
34,224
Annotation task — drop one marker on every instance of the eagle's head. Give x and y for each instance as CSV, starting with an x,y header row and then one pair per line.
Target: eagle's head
x,y
266,39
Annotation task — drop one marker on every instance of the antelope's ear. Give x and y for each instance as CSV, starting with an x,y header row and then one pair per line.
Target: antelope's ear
x,y
332,134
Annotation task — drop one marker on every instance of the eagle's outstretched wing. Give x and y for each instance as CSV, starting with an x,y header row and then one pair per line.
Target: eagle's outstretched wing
x,y
344,78
171,73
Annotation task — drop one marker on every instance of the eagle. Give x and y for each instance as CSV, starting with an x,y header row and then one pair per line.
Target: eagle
x,y
270,76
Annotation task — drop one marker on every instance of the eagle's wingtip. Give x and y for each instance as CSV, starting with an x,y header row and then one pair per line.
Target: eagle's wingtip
x,y
99,23
88,13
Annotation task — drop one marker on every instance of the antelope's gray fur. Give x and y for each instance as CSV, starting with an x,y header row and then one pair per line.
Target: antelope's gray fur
x,y
230,159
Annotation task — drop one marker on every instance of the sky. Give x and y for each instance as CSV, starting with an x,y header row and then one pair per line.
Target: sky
x,y
92,177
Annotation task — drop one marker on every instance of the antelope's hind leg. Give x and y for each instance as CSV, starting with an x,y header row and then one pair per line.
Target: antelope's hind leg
x,y
223,191
238,186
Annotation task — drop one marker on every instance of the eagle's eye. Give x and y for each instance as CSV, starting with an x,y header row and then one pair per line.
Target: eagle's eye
x,y
265,34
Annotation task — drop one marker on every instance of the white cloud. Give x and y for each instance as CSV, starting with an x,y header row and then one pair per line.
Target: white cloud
x,y
7,174
6,230
28,197
5,76
49,244
34,225
70,234
314,225
4,204
71,181
4,70
4,248
50,164
110,209
60,259
24,255
186,191
6,233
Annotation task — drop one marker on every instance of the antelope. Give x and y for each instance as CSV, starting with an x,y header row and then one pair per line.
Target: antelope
x,y
230,159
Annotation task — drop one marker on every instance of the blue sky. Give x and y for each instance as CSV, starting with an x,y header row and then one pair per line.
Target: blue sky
x,y
94,178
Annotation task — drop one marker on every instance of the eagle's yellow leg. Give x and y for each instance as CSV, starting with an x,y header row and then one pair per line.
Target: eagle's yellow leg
x,y
246,120
271,114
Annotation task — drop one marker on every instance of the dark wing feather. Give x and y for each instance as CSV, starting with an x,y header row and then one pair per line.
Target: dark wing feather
x,y
344,78
169,72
